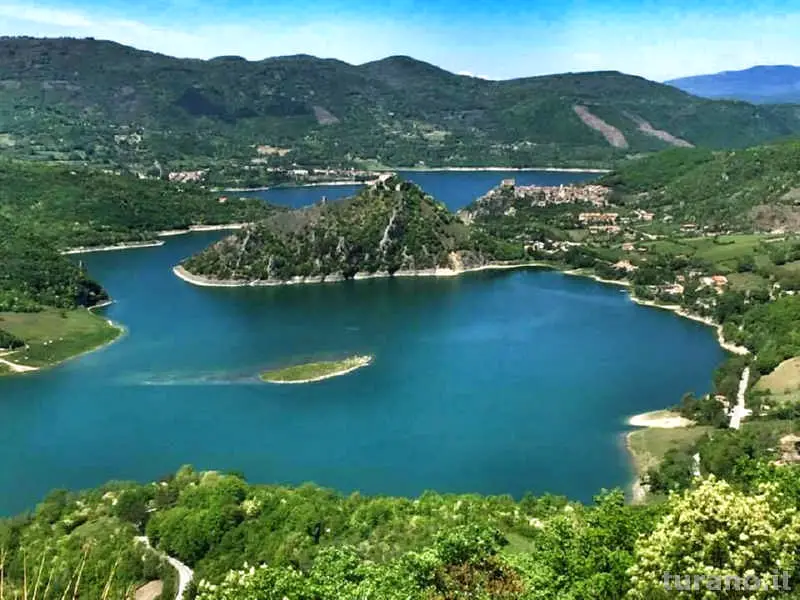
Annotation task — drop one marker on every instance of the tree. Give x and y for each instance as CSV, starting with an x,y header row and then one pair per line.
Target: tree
x,y
715,531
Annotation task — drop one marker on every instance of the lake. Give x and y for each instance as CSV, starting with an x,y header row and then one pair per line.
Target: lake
x,y
455,188
493,382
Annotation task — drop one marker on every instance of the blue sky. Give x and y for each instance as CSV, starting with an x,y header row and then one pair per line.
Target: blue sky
x,y
498,40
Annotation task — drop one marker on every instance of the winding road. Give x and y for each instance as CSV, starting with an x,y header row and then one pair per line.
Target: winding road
x,y
15,368
739,411
185,574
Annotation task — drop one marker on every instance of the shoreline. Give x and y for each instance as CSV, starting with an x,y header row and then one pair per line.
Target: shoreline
x,y
15,368
113,247
578,273
202,281
201,228
281,186
361,365
659,419
153,243
682,312
20,369
500,169
638,489
654,419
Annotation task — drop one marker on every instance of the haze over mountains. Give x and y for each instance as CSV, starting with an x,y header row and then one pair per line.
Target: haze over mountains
x,y
98,101
761,84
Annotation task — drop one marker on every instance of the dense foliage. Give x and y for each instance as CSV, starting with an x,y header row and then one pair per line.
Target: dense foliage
x,y
9,341
755,188
391,226
773,331
88,207
77,546
264,542
34,274
70,99
716,531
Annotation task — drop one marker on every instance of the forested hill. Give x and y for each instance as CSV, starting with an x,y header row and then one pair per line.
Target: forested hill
x,y
47,209
34,274
88,207
70,99
754,188
390,226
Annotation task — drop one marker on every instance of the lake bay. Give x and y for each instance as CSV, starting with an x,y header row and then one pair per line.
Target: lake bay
x,y
493,382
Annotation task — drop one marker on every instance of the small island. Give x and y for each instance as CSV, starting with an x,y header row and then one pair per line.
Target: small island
x,y
316,371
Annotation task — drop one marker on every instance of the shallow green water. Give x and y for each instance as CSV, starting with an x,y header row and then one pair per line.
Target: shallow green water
x,y
498,382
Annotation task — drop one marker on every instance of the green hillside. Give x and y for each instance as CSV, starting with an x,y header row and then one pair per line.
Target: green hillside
x,y
47,209
753,188
89,207
268,542
71,99
388,227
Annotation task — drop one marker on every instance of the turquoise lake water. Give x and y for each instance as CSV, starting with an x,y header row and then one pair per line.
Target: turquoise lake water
x,y
493,382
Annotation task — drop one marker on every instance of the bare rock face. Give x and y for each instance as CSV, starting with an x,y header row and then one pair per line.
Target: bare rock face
x,y
613,135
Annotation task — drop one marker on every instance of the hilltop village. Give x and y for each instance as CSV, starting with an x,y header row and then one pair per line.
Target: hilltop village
x,y
568,220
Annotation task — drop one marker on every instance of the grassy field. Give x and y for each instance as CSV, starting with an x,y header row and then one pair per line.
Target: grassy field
x,y
783,384
747,281
54,336
725,247
648,446
785,378
315,371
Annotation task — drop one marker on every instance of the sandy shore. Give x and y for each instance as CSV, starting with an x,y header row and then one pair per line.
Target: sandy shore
x,y
153,243
363,362
579,273
200,280
198,228
661,419
101,305
15,367
113,247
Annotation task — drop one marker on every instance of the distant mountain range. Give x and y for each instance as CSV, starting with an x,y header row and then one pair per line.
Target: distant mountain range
x,y
762,84
102,102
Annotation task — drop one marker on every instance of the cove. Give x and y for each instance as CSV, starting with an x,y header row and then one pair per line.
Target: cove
x,y
493,382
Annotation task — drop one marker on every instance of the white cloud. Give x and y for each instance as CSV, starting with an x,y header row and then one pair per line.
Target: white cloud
x,y
471,74
46,16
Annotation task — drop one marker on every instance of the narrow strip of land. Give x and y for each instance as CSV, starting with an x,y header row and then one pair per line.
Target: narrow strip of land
x,y
317,371
113,247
